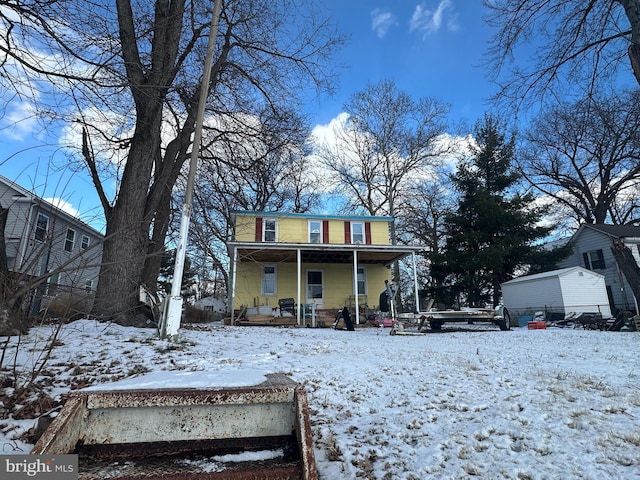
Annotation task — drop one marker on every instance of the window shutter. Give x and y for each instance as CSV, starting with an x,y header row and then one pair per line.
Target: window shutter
x,y
347,232
601,259
585,258
258,229
325,231
367,233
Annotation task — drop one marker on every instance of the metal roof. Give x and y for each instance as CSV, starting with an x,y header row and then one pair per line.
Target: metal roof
x,y
313,216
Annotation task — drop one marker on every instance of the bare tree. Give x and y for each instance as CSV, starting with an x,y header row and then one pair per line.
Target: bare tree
x,y
387,140
585,155
386,143
577,43
255,163
126,73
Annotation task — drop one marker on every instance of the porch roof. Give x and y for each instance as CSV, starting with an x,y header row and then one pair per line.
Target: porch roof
x,y
320,253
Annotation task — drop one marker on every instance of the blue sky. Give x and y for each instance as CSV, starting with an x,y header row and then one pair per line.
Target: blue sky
x,y
429,48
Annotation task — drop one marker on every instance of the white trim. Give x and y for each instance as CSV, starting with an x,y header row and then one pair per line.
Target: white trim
x,y
275,229
355,286
366,283
415,281
358,242
66,239
299,274
35,228
310,231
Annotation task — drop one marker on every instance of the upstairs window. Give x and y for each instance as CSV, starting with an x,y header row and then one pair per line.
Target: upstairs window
x,y
84,244
269,230
315,231
594,260
69,240
357,233
42,226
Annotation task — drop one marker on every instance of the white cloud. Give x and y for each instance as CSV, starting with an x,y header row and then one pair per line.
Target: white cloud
x,y
335,137
19,121
328,133
429,21
64,206
382,21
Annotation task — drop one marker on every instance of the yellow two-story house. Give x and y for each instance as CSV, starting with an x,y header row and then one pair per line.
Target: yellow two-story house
x,y
323,261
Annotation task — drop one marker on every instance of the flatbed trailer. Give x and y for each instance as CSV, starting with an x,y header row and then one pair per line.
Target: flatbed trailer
x,y
435,319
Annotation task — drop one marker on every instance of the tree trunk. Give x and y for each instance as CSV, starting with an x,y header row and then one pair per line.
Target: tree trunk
x,y
126,242
627,264
632,11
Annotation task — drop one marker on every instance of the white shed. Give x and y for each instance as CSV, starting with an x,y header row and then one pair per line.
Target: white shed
x,y
211,304
567,290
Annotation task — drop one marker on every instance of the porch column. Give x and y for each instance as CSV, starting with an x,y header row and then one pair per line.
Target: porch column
x,y
299,262
355,285
415,281
234,269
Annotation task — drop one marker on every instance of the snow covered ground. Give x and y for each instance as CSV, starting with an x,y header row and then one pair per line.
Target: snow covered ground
x,y
486,404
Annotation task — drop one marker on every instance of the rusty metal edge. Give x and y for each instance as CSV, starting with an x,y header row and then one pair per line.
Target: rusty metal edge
x,y
278,388
185,397
63,433
304,436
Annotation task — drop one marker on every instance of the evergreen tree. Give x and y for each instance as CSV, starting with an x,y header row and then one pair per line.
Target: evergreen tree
x,y
165,276
494,229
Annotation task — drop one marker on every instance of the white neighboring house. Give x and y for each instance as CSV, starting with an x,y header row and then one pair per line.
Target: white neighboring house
x,y
40,239
573,289
592,250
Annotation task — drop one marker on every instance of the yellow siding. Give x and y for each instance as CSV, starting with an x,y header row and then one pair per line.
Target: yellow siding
x,y
292,230
245,228
338,284
296,229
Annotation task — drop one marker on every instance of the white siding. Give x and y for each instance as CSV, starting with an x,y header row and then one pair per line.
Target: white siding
x,y
584,291
79,267
588,240
567,290
529,296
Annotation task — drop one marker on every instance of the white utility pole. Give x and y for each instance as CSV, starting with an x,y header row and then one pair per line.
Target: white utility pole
x,y
172,312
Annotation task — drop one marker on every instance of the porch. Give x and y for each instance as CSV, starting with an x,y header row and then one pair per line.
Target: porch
x,y
292,258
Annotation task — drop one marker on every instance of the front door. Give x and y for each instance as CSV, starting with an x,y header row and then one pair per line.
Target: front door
x,y
315,287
